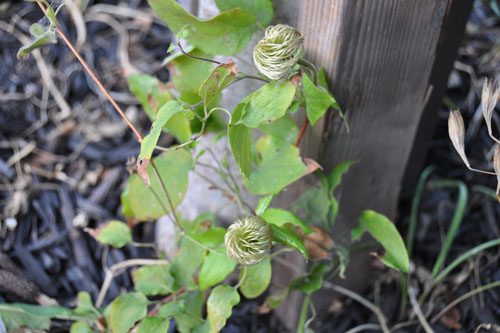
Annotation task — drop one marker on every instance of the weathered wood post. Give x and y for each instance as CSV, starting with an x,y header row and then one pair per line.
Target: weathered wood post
x,y
382,60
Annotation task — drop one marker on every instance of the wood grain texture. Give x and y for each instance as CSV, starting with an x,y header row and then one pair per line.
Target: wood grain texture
x,y
379,56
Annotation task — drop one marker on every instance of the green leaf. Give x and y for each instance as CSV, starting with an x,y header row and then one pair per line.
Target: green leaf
x,y
147,90
154,280
261,9
173,167
279,217
85,305
314,206
215,269
220,77
144,87
281,165
153,324
295,106
42,36
257,278
278,297
312,281
81,327
336,175
219,306
239,137
179,126
171,48
186,263
14,317
171,309
126,310
191,317
115,233
263,204
284,128
17,315
168,110
323,83
317,100
332,213
225,34
286,236
188,73
384,231
212,237
343,255
267,104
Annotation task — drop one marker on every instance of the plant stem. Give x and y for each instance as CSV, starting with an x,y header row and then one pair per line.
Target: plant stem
x,y
110,274
243,277
311,67
195,57
301,133
167,196
96,80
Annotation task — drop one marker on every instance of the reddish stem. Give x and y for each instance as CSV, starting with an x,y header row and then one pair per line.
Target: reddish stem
x,y
301,133
96,80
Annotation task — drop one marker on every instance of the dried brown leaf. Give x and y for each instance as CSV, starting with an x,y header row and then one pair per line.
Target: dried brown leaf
x,y
451,319
456,130
318,243
296,79
142,170
312,165
230,65
264,308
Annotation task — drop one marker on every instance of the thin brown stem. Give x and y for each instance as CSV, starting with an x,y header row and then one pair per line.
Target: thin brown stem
x,y
195,57
301,133
96,80
165,192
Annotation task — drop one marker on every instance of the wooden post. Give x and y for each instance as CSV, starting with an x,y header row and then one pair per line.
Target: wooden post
x,y
379,56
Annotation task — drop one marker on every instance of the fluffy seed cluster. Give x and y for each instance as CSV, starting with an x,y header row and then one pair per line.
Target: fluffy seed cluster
x,y
248,241
278,51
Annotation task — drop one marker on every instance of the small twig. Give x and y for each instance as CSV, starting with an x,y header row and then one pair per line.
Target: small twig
x,y
301,133
418,311
360,299
110,273
364,327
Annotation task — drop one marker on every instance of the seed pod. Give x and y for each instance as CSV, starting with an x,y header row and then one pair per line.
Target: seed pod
x,y
249,240
489,99
456,130
496,166
278,51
